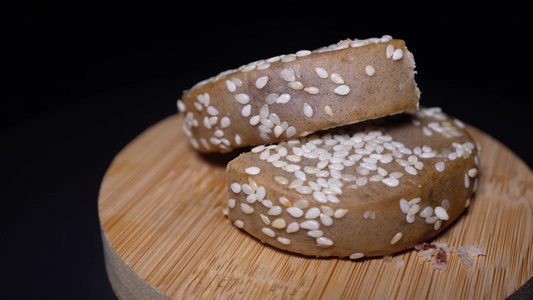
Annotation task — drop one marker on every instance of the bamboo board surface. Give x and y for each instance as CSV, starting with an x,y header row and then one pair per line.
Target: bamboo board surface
x,y
165,236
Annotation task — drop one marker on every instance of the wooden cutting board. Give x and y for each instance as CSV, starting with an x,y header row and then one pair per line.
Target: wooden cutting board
x,y
165,235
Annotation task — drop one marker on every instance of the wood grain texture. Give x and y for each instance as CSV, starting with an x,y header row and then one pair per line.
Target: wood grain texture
x,y
165,235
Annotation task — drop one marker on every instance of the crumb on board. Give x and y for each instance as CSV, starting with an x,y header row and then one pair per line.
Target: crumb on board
x,y
437,254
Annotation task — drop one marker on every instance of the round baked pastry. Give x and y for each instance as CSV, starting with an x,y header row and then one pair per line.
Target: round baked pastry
x,y
290,96
367,189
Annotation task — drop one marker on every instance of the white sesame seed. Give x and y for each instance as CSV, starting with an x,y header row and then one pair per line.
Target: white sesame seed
x,y
295,85
389,51
180,105
225,122
215,141
231,86
404,206
252,198
339,213
279,164
284,241
472,172
302,53
315,233
291,168
415,201
282,151
288,58
258,149
386,159
206,123
235,187
320,197
342,90
396,238
286,202
279,223
349,177
212,111
255,120
295,212
290,132
252,170
293,227
239,223
437,224
324,242
269,232
246,110
283,98
410,170
441,213
238,139
322,73
261,82
428,155
287,75
271,98
237,81
410,218
263,66
369,166
328,110
337,78
312,90
274,210
218,133
357,255
426,212
308,110
274,157
302,203
326,220
440,166
261,193
310,225
369,70
265,154
242,98
278,130
265,219
204,99
304,190
247,68
413,210
398,54
247,209
273,59
390,181
467,181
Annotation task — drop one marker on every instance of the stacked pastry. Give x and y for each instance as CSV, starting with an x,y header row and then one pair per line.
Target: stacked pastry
x,y
344,162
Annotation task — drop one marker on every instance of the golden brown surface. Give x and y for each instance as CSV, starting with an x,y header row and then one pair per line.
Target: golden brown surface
x,y
165,236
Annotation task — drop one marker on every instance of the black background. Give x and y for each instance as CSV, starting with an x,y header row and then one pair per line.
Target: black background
x,y
82,79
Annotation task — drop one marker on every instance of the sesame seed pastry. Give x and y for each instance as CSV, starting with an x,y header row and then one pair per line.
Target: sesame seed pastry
x,y
291,96
361,190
